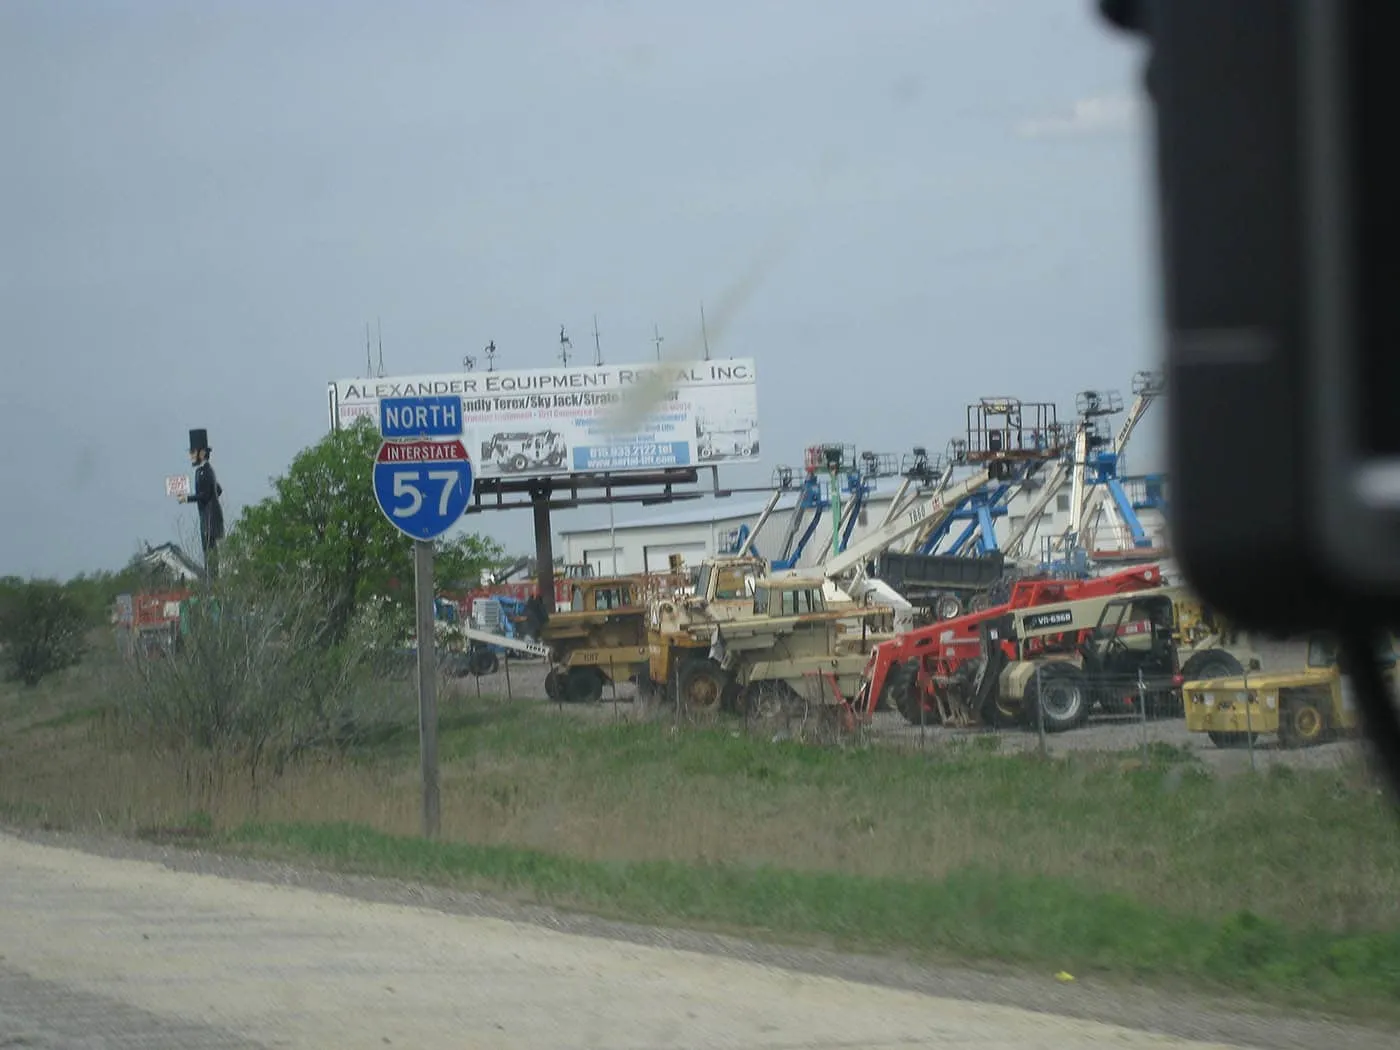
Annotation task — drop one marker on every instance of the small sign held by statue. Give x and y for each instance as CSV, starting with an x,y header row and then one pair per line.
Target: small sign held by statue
x,y
177,485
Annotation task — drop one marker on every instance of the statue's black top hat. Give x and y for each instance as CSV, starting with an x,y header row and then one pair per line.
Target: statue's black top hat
x,y
199,441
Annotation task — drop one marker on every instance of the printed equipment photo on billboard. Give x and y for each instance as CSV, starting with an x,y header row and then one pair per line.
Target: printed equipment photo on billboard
x,y
567,420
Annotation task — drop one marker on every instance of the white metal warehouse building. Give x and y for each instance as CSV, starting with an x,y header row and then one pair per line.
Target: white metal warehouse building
x,y
699,529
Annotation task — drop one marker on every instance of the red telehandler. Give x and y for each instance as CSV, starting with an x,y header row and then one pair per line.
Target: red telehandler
x,y
904,673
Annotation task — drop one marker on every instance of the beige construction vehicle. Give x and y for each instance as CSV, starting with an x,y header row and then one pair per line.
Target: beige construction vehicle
x,y
600,638
1305,707
791,646
681,621
1055,663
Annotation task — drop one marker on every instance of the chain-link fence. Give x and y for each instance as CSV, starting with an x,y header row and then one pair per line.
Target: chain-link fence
x,y
1049,707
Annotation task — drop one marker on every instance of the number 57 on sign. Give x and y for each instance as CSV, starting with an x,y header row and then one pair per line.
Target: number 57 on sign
x,y
423,487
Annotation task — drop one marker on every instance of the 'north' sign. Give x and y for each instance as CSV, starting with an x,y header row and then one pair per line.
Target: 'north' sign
x,y
420,417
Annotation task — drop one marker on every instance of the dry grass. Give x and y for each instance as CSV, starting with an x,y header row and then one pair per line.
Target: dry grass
x,y
513,774
1286,883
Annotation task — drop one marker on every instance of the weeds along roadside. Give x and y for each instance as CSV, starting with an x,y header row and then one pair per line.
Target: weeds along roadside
x,y
1093,860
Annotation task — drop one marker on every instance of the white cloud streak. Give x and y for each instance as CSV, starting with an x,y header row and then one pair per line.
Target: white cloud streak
x,y
1097,115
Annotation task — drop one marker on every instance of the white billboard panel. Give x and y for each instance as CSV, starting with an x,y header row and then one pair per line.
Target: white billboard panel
x,y
569,420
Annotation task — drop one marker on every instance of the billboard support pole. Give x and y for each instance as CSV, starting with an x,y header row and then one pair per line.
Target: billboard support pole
x,y
544,546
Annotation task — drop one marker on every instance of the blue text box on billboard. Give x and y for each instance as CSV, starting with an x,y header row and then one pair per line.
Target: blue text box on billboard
x,y
632,457
420,417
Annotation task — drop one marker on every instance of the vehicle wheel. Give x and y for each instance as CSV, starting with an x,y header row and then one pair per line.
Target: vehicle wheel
x,y
1228,741
583,685
746,450
1211,663
899,680
482,662
703,687
910,704
1302,721
555,458
517,463
706,452
948,606
551,685
1058,695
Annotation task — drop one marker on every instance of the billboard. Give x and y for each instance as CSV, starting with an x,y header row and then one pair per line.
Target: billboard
x,y
575,419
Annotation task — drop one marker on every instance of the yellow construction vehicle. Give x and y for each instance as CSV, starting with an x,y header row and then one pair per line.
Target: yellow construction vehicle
x,y
1303,708
601,637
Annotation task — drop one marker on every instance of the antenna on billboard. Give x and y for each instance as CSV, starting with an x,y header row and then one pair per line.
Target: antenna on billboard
x,y
565,345
704,335
380,330
468,363
491,356
369,359
657,340
597,345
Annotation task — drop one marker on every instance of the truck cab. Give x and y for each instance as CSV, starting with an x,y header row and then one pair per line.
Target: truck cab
x,y
681,625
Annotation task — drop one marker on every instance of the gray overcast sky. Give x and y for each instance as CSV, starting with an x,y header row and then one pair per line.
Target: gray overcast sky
x,y
203,203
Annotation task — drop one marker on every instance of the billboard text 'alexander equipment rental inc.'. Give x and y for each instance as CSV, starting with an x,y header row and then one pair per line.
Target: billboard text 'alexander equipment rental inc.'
x,y
567,420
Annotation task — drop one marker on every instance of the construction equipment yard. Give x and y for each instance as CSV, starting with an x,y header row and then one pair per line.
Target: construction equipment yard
x,y
1118,734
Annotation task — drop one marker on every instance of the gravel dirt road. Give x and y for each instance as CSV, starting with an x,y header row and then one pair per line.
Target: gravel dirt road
x,y
123,944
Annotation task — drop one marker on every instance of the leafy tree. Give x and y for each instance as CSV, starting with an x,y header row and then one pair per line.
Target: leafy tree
x,y
321,526
42,627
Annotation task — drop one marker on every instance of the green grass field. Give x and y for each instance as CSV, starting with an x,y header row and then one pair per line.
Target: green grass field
x,y
1286,885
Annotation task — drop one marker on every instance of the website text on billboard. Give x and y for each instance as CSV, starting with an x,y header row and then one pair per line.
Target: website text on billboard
x,y
553,421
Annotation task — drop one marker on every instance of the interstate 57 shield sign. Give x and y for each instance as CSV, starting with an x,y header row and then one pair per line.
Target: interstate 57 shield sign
x,y
423,487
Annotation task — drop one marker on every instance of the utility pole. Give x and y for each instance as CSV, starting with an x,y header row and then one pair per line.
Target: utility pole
x,y
565,345
491,356
704,335
657,340
597,345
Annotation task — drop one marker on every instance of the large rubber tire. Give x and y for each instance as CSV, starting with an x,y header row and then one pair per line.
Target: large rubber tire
x,y
482,662
1057,694
553,686
1302,720
583,685
947,607
910,704
897,692
1211,663
703,687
